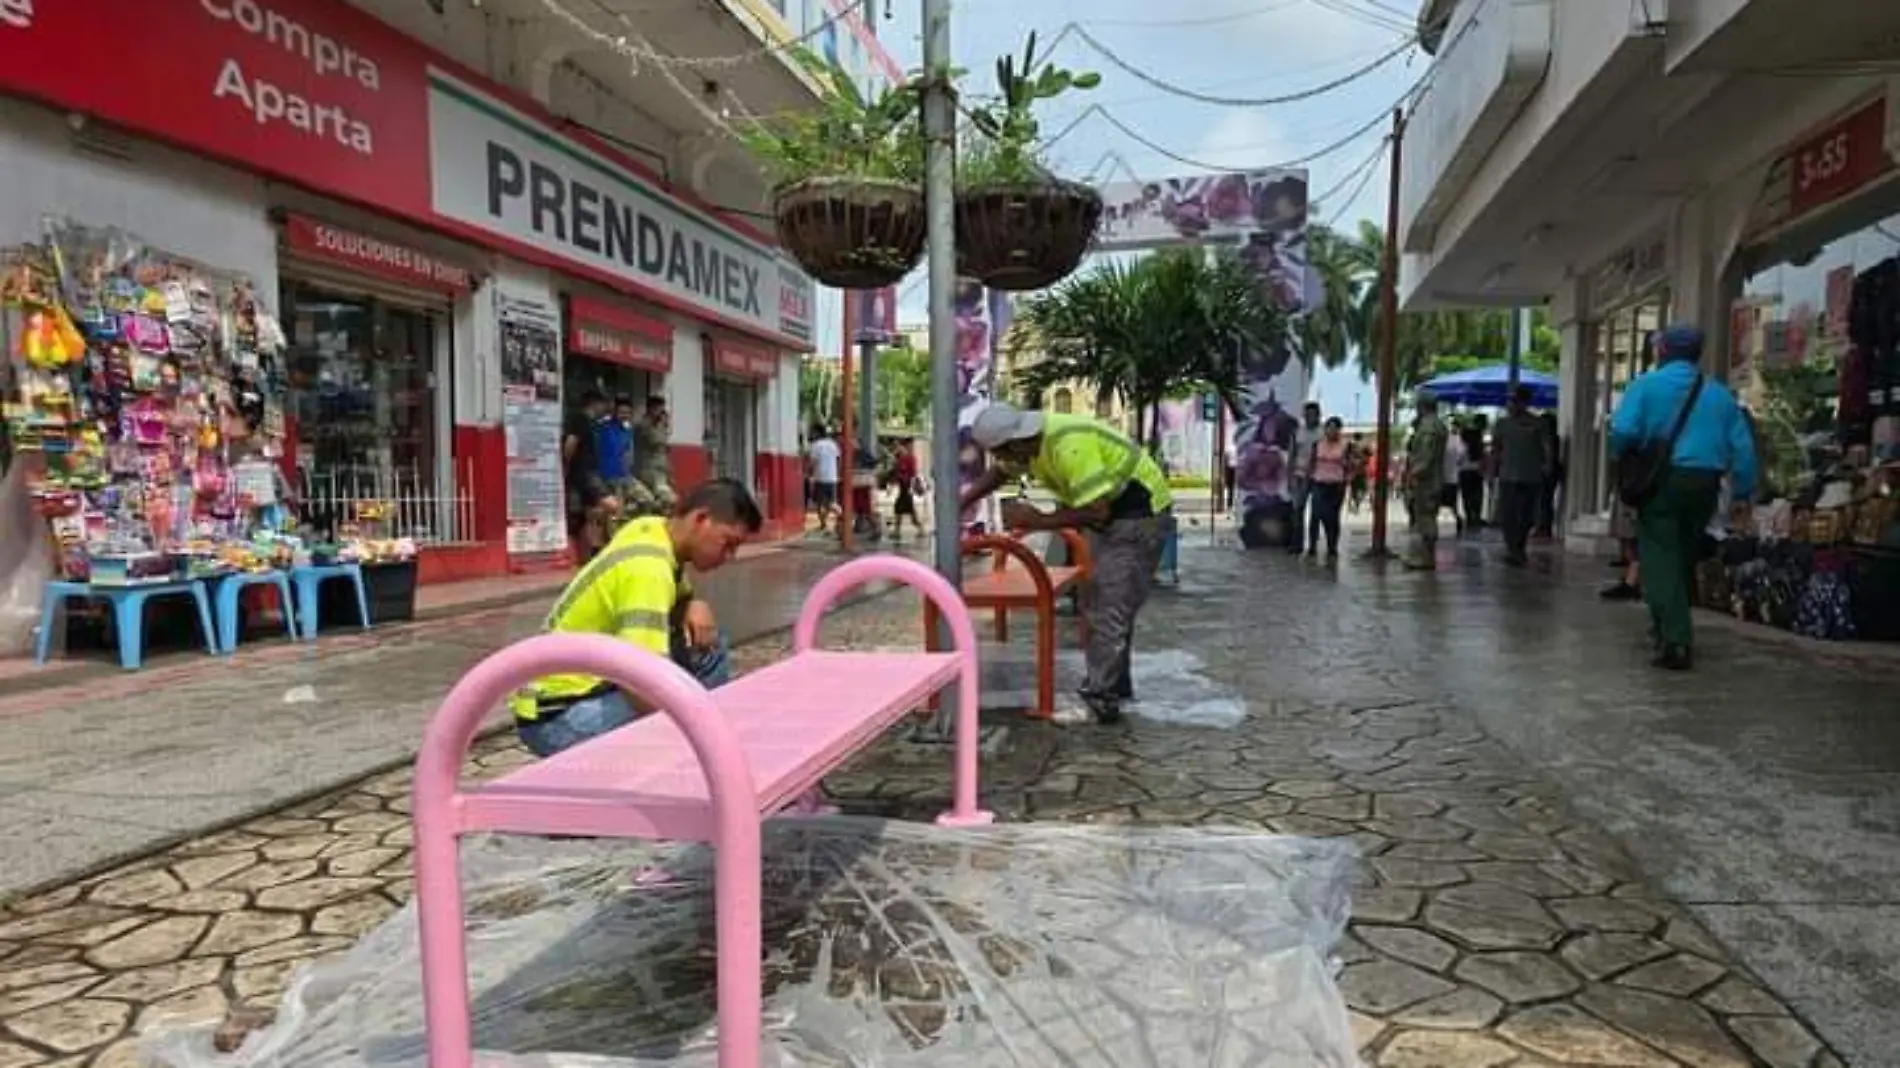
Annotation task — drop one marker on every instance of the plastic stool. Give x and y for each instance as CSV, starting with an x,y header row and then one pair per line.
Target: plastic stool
x,y
310,577
128,614
230,586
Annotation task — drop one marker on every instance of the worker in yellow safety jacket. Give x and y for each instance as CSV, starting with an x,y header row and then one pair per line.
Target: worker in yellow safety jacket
x,y
636,590
1110,488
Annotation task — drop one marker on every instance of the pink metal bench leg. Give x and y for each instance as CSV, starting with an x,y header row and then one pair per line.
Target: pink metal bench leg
x,y
440,913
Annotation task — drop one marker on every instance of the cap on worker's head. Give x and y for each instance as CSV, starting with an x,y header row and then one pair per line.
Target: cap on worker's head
x,y
1680,342
1426,401
999,424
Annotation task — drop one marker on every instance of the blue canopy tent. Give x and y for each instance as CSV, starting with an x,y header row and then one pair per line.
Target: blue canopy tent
x,y
1490,387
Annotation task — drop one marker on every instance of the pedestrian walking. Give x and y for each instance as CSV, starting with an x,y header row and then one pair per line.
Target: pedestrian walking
x,y
1471,472
1675,434
1300,473
1332,463
1448,494
1424,477
909,488
1111,488
822,461
1523,464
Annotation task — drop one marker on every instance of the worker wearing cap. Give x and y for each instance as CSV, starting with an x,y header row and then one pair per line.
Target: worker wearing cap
x,y
1715,440
1106,485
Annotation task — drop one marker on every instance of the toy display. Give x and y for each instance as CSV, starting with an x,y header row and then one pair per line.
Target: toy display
x,y
145,401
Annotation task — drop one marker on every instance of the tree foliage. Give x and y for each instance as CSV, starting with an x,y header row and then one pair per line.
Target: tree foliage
x,y
1145,331
1345,328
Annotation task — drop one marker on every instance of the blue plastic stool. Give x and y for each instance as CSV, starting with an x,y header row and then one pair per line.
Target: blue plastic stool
x,y
230,586
312,576
128,614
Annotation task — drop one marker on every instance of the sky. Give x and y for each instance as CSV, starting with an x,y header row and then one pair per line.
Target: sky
x,y
1232,48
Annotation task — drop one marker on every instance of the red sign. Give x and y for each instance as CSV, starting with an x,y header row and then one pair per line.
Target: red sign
x,y
619,335
1839,159
312,91
373,255
741,362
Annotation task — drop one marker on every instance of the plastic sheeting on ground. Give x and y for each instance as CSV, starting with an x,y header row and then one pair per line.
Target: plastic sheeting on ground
x,y
889,945
1171,685
26,563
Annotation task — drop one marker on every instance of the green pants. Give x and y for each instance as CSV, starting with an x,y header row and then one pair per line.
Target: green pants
x,y
1668,531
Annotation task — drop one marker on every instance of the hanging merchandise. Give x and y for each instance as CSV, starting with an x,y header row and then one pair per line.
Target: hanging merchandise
x,y
146,408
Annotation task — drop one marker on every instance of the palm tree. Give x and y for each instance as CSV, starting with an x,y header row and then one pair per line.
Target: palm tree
x,y
1157,328
1338,329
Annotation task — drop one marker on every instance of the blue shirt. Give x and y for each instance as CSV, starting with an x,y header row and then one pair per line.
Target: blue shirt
x,y
613,440
1716,437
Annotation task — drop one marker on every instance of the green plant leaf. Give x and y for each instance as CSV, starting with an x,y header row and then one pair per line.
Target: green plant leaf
x,y
1087,79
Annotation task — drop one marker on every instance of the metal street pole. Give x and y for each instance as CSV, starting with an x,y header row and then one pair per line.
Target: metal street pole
x,y
846,451
940,132
1516,350
1388,345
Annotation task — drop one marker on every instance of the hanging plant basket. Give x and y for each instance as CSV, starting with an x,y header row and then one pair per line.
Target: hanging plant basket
x,y
852,233
1025,236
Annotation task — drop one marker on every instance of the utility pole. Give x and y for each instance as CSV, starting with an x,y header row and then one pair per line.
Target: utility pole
x,y
1388,345
846,448
940,133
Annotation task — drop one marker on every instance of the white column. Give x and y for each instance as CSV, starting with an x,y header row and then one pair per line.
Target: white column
x,y
685,386
1576,412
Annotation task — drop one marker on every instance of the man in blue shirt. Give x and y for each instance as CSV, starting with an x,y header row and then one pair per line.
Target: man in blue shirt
x,y
613,445
1715,441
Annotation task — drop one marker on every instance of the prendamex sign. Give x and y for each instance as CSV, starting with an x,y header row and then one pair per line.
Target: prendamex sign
x,y
501,172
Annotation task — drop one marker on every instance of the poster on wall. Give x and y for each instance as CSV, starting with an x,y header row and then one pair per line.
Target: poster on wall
x,y
982,318
531,423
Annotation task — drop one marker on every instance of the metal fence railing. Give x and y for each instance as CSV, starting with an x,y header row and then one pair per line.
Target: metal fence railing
x,y
404,502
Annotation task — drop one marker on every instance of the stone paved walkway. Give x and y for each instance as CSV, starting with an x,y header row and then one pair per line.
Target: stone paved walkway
x,y
1497,924
115,767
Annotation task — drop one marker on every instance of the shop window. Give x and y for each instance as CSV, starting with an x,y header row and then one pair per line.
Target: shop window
x,y
1807,356
361,394
1063,402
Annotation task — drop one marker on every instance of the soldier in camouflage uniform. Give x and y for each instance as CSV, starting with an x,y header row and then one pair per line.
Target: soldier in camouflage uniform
x,y
1424,475
650,490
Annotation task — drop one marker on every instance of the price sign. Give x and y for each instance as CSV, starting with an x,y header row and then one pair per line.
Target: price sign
x,y
1839,159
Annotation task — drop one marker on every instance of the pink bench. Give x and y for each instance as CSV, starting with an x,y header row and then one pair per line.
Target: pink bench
x,y
710,769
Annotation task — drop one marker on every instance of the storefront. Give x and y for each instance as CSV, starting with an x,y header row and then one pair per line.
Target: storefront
x,y
388,210
616,349
1628,301
1812,336
369,372
733,400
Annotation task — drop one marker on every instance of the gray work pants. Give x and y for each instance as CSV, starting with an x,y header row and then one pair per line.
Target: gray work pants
x,y
1126,554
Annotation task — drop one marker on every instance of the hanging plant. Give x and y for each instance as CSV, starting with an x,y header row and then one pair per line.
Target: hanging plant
x,y
847,197
1020,227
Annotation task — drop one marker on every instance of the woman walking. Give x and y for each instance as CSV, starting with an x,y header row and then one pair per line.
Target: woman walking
x,y
1332,470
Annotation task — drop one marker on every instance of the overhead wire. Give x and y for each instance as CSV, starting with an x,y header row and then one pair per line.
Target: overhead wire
x,y
634,47
1185,93
1385,145
1362,167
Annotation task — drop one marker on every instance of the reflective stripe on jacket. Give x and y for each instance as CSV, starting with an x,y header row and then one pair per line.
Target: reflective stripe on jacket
x,y
1083,461
631,591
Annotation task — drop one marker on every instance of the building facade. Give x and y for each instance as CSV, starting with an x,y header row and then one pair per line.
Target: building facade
x,y
1730,163
463,214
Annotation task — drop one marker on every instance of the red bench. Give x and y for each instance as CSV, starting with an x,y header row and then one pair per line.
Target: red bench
x,y
1034,585
710,768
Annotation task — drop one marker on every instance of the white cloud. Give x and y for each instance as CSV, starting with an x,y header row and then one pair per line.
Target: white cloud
x,y
1242,139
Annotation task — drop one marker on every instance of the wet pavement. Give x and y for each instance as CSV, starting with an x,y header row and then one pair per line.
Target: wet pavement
x,y
1571,859
117,764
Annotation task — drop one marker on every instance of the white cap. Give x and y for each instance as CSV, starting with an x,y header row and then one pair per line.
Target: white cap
x,y
999,424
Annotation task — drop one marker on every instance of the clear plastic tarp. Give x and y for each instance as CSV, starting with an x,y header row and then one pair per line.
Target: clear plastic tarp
x,y
888,945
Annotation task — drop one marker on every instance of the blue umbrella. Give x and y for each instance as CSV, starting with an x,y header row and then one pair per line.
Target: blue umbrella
x,y
1490,387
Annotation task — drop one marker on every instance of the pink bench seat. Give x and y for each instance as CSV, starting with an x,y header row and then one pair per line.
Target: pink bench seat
x,y
706,766
797,721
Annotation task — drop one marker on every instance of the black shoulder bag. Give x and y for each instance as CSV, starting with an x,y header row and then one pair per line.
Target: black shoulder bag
x,y
1641,468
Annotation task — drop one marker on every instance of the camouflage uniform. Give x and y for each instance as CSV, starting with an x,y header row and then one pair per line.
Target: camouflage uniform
x,y
1424,477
